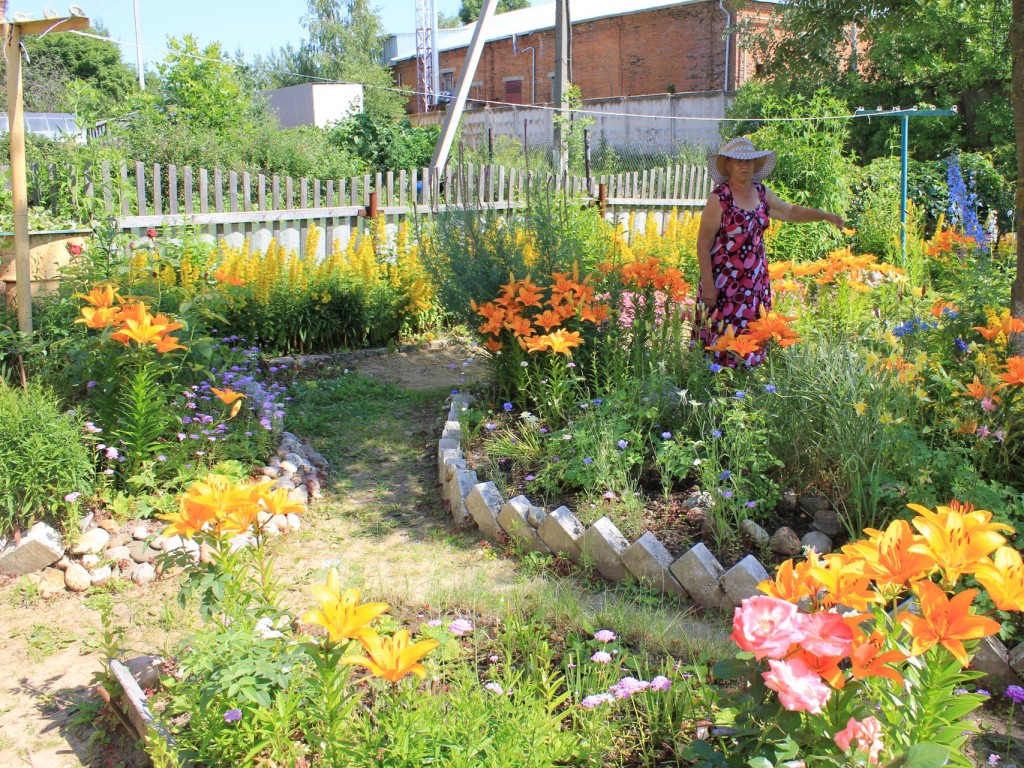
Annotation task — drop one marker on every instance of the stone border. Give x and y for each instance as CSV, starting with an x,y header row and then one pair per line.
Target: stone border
x,y
305,362
697,575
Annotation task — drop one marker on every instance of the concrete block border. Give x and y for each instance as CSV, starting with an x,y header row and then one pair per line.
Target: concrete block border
x,y
696,576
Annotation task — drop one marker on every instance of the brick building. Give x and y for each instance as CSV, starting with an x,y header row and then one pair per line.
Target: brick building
x,y
619,48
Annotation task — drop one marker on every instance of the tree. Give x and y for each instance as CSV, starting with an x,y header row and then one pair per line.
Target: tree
x,y
200,86
469,11
962,45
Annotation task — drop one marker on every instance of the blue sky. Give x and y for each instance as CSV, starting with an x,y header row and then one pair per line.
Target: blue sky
x,y
254,27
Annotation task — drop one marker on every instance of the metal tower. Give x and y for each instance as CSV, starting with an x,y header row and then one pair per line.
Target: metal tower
x,y
427,74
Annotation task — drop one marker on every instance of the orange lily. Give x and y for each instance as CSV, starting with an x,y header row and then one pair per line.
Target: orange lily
x,y
724,342
520,326
1014,374
168,344
101,296
142,332
889,557
189,520
979,391
563,341
957,540
989,334
844,583
226,395
535,343
493,344
392,658
222,276
547,320
826,667
98,318
792,582
772,325
1003,578
341,613
744,345
945,621
869,660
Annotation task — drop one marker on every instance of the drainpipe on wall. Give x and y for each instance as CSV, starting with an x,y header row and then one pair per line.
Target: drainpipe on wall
x,y
728,37
533,67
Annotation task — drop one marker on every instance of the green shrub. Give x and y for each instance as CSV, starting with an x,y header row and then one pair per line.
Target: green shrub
x,y
43,459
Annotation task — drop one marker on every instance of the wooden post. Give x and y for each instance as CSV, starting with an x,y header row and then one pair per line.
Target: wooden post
x,y
13,33
602,199
19,181
371,208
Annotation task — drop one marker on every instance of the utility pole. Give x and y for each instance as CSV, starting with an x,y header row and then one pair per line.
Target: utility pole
x,y
13,32
138,48
563,37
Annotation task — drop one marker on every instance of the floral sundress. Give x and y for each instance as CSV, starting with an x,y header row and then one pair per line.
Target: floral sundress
x,y
740,270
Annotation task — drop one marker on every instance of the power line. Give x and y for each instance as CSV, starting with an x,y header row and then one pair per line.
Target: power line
x,y
860,113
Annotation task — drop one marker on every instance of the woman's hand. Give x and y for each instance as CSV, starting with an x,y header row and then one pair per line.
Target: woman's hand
x,y
834,219
708,293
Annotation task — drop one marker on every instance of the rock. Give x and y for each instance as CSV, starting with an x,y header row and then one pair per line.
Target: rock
x,y
273,528
603,545
535,516
649,562
313,487
294,521
514,519
50,582
158,543
40,547
446,449
699,573
483,503
788,501
141,552
109,525
118,554
315,457
63,563
758,535
299,494
263,517
101,575
274,461
86,522
561,531
459,486
90,561
812,504
92,542
76,578
452,431
141,533
785,542
1016,659
288,466
145,670
143,573
700,499
740,581
283,482
817,541
271,472
993,659
829,522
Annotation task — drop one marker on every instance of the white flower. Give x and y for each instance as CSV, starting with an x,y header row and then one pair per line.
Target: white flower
x,y
264,629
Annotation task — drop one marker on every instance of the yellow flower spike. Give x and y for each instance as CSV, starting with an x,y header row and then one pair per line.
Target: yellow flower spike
x,y
392,658
860,408
945,621
1002,576
341,613
959,540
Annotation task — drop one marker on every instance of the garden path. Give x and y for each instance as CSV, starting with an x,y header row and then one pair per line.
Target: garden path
x,y
381,522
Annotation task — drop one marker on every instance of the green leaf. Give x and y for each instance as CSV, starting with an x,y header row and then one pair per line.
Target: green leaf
x,y
731,669
760,762
922,756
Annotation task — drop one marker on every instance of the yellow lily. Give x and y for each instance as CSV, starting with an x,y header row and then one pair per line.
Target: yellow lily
x,y
278,503
957,539
1003,578
392,658
341,613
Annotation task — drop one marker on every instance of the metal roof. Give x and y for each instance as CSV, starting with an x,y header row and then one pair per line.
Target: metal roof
x,y
526,20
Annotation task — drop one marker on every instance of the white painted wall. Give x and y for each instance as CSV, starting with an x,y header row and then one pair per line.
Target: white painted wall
x,y
318,104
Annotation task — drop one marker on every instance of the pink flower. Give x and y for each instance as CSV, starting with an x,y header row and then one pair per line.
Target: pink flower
x,y
604,635
868,733
767,626
495,688
799,689
661,683
987,405
601,657
627,686
596,700
460,627
826,634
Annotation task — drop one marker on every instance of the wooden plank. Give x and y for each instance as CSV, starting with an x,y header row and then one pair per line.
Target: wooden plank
x,y
233,190
108,192
248,217
426,191
172,188
218,190
389,186
403,179
275,192
705,186
158,201
140,188
330,192
247,191
316,193
126,206
187,181
367,189
204,190
304,193
289,192
657,202
354,198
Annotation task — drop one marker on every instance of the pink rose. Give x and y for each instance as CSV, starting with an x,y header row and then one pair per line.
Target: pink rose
x,y
799,689
766,626
868,734
826,634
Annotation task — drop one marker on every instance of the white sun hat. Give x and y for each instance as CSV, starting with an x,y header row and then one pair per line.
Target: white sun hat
x,y
740,148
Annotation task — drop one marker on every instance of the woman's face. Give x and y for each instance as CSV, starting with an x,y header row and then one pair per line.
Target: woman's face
x,y
739,170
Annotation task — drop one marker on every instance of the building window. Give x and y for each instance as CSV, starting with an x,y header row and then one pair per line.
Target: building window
x,y
514,91
447,82
476,94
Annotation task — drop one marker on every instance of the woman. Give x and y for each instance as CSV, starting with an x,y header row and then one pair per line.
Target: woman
x,y
730,243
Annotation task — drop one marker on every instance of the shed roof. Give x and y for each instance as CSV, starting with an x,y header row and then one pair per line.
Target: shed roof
x,y
526,20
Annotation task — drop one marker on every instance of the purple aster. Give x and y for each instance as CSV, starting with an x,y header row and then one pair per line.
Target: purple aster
x,y
232,716
507,407
769,388
725,474
596,700
661,683
666,435
601,657
740,394
622,444
460,627
716,433
588,461
1015,694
